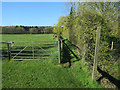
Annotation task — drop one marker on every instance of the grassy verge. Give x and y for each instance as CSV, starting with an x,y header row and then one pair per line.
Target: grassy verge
x,y
109,76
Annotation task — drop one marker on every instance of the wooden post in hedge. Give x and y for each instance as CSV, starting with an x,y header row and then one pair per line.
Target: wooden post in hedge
x,y
83,53
112,46
61,45
94,73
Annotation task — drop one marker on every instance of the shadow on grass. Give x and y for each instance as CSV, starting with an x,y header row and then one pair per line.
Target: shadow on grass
x,y
66,57
66,52
109,77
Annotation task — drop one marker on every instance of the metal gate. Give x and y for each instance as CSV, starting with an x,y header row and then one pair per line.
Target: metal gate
x,y
33,50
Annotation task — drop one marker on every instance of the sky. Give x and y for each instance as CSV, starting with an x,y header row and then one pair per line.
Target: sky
x,y
32,13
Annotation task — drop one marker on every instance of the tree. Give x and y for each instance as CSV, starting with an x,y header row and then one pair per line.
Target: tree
x,y
59,27
33,30
20,30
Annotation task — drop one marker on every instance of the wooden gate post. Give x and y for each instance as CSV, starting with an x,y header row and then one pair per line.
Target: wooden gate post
x,y
59,49
9,50
94,73
33,51
59,54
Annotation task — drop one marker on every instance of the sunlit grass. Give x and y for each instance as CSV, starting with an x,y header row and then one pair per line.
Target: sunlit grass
x,y
27,37
43,74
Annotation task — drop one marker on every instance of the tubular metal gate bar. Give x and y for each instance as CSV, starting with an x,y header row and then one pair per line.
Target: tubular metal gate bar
x,y
33,50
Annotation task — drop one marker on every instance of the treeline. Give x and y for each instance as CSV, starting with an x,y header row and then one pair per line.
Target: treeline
x,y
27,30
80,28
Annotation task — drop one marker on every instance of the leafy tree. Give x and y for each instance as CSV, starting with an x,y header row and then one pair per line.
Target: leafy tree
x,y
33,30
59,27
20,30
81,24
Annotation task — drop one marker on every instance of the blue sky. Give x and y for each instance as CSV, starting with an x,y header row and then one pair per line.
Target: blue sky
x,y
32,13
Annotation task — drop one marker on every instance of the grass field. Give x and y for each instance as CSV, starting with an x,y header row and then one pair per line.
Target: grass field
x,y
43,74
27,37
40,48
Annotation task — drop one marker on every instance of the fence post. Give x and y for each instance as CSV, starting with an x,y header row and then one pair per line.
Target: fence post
x,y
33,51
10,51
59,54
112,46
84,52
61,44
94,73
9,56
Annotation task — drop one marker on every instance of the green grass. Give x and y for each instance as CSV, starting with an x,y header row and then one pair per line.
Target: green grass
x,y
43,74
27,37
51,49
